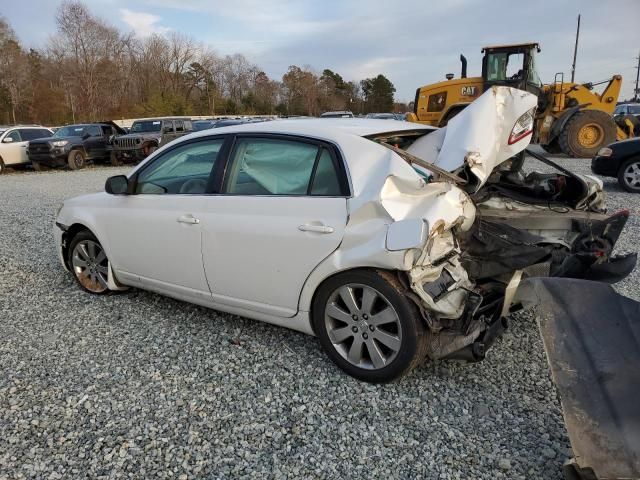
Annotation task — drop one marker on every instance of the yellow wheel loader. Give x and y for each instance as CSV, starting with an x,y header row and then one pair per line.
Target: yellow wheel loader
x,y
571,118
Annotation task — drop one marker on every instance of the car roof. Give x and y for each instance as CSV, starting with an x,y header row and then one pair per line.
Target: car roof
x,y
367,161
330,129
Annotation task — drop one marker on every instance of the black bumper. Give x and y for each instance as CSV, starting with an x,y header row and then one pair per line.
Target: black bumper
x,y
605,166
591,337
132,155
55,158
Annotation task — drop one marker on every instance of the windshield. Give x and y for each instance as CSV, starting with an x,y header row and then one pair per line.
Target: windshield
x,y
146,126
70,131
633,109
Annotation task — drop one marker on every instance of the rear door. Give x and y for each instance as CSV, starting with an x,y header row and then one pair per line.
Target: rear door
x,y
281,211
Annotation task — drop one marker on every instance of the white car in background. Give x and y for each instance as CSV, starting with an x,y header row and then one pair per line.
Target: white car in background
x,y
14,141
389,241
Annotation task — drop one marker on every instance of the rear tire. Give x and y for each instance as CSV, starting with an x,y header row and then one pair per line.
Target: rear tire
x,y
587,132
76,160
629,175
376,334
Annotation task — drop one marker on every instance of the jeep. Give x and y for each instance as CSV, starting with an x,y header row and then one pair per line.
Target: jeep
x,y
145,136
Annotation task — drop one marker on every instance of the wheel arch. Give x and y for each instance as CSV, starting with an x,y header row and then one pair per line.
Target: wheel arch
x,y
69,234
318,286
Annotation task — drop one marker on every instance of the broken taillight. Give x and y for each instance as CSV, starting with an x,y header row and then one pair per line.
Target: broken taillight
x,y
523,127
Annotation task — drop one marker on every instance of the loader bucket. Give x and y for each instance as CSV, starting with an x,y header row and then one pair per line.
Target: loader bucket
x,y
591,337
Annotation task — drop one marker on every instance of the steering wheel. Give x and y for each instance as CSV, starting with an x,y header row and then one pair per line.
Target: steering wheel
x,y
194,185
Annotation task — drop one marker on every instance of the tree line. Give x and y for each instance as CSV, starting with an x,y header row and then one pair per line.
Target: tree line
x,y
90,70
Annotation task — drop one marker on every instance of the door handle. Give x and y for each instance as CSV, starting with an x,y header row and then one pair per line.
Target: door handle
x,y
315,228
190,219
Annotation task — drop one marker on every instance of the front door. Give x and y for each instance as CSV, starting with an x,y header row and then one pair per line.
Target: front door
x,y
157,240
14,152
281,212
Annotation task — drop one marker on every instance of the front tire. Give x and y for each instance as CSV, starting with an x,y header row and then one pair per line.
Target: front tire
x,y
115,161
76,160
629,175
38,167
89,263
587,132
3,169
367,326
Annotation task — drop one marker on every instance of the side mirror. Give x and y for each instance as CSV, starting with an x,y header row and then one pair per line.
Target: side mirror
x,y
85,136
117,185
8,140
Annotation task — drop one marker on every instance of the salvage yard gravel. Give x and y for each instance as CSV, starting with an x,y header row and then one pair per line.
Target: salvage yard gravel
x,y
136,385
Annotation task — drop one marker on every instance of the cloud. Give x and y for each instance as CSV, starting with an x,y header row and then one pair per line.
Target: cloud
x,y
143,24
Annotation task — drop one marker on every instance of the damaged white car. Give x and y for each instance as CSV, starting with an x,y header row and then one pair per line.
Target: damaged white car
x,y
389,246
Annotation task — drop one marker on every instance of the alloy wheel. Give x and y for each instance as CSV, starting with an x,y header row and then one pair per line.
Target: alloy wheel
x,y
363,326
631,175
90,265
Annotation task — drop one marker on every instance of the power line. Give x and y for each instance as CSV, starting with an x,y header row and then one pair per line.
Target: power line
x,y
636,92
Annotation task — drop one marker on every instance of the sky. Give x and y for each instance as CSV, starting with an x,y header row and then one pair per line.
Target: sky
x,y
412,42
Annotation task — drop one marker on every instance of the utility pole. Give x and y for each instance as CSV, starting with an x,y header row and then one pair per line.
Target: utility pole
x,y
636,92
575,52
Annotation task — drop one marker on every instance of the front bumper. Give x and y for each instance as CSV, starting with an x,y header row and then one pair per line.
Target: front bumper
x,y
605,166
55,158
58,240
129,154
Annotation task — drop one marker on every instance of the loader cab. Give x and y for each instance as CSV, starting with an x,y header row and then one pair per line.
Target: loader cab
x,y
511,66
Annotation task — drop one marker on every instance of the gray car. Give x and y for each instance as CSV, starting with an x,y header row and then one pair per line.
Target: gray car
x,y
147,135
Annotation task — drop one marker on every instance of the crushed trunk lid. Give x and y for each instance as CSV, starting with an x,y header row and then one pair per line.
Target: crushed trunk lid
x,y
483,135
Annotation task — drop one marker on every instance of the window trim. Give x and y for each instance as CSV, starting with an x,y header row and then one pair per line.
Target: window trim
x,y
334,152
213,186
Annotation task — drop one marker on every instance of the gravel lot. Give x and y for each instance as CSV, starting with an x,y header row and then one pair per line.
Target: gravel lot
x,y
135,385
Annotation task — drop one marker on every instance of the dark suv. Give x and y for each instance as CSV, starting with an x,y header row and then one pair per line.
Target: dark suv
x,y
145,136
73,146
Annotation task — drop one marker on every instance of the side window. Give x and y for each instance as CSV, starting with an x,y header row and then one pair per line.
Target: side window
x,y
179,126
264,166
325,178
436,102
182,170
167,126
15,135
93,130
107,130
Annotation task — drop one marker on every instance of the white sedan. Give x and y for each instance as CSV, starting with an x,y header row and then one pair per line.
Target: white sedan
x,y
389,246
